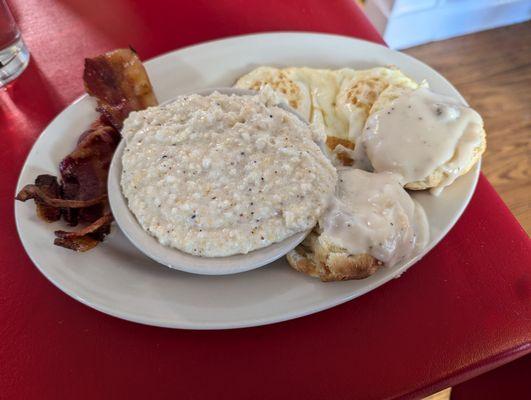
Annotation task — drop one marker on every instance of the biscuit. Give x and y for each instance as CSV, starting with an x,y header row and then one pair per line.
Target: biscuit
x,y
440,174
437,177
327,262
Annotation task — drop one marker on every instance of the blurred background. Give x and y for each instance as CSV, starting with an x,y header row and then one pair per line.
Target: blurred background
x,y
407,23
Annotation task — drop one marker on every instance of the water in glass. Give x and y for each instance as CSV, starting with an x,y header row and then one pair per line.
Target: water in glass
x,y
14,55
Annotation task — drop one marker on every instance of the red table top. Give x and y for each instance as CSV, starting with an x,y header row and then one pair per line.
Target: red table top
x,y
464,309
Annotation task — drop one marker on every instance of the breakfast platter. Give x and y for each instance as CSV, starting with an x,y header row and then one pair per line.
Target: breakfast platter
x,y
125,280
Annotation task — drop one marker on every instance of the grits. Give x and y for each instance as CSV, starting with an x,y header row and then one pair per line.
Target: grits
x,y
219,175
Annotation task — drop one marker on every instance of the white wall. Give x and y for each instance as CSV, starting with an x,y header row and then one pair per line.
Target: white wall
x,y
406,23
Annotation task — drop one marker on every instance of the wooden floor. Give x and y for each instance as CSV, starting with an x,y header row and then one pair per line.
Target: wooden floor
x,y
492,70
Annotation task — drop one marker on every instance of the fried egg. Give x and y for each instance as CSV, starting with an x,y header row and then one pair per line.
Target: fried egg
x,y
338,102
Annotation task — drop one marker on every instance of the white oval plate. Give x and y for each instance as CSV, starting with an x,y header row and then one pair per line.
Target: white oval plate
x,y
117,279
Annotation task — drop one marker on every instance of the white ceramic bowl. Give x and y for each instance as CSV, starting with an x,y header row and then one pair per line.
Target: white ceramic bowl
x,y
174,258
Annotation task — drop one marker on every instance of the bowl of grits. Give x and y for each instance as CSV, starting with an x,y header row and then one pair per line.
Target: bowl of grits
x,y
219,181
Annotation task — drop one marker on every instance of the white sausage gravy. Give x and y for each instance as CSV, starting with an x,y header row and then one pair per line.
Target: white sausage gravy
x,y
372,214
418,133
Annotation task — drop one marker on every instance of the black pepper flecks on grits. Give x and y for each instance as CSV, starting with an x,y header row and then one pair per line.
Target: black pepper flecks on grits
x,y
252,176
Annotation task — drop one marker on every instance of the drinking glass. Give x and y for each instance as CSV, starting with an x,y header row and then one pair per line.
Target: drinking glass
x,y
14,55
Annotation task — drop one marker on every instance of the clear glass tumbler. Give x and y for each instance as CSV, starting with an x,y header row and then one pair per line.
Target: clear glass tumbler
x,y
14,55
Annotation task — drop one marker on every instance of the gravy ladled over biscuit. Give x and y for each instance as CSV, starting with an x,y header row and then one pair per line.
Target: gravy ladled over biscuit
x,y
372,221
421,136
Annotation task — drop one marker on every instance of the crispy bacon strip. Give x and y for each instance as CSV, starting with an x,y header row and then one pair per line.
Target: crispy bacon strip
x,y
48,185
120,83
43,199
92,228
85,238
80,244
84,171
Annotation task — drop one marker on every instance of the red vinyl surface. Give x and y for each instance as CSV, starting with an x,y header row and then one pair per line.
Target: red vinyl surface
x,y
464,309
510,381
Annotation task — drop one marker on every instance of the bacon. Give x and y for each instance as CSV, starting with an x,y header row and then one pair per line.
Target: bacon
x,y
85,238
47,187
84,171
120,84
46,201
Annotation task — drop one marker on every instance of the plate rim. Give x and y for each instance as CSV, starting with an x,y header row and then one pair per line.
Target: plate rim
x,y
184,324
